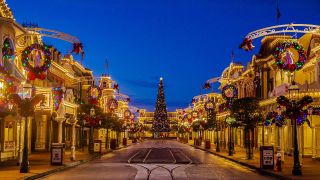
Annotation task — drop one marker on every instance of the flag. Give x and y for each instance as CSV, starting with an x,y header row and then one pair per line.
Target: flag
x,y
213,80
246,44
206,85
278,13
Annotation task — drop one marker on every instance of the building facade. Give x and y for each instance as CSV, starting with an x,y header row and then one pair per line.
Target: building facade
x,y
262,78
65,86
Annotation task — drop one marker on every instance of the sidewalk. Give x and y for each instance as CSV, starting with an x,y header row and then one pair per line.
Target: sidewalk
x,y
310,168
40,164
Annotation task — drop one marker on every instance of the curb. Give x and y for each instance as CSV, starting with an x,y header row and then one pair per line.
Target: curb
x,y
68,166
256,169
63,168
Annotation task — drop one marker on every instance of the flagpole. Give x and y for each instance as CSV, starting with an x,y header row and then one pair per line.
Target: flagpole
x,y
277,12
106,66
232,56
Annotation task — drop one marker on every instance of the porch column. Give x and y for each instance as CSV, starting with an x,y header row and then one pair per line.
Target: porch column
x,y
73,121
313,142
281,138
21,132
60,121
41,133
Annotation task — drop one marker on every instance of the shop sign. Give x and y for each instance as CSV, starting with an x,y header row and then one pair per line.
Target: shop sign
x,y
267,157
57,153
97,146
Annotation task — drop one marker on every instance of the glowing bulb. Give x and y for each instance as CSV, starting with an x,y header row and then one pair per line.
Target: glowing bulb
x,y
161,78
1,85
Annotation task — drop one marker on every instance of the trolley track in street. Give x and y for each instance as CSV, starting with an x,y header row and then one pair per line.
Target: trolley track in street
x,y
160,156
151,159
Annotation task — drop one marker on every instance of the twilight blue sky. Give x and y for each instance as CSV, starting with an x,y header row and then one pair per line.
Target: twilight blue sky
x,y
185,41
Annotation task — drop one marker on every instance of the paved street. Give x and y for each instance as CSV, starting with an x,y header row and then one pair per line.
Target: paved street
x,y
158,159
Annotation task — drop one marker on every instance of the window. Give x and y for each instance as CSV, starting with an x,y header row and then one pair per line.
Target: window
x,y
7,49
8,131
8,135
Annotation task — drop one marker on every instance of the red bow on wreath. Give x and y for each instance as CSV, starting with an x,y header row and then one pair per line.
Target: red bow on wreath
x,y
78,49
246,44
94,101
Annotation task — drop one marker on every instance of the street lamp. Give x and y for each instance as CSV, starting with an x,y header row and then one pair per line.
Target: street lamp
x,y
27,88
127,114
26,106
293,93
209,106
92,114
230,121
10,106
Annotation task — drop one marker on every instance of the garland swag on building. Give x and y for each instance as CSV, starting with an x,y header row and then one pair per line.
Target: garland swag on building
x,y
160,121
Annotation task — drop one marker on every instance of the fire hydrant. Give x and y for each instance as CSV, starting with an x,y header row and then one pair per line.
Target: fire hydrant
x,y
278,164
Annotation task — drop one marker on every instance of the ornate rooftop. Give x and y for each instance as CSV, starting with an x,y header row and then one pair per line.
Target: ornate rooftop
x,y
5,11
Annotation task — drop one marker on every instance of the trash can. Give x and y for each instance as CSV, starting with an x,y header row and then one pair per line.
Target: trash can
x,y
124,141
134,140
113,144
57,153
196,142
208,144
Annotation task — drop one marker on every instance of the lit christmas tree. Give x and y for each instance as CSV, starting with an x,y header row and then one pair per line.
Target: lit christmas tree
x,y
160,121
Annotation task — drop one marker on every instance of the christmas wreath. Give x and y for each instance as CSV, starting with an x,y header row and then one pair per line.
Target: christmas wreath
x,y
112,104
7,50
187,117
290,64
94,94
57,94
36,72
229,92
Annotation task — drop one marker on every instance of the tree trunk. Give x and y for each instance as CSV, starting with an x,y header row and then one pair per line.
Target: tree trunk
x,y
91,143
117,133
262,135
248,143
